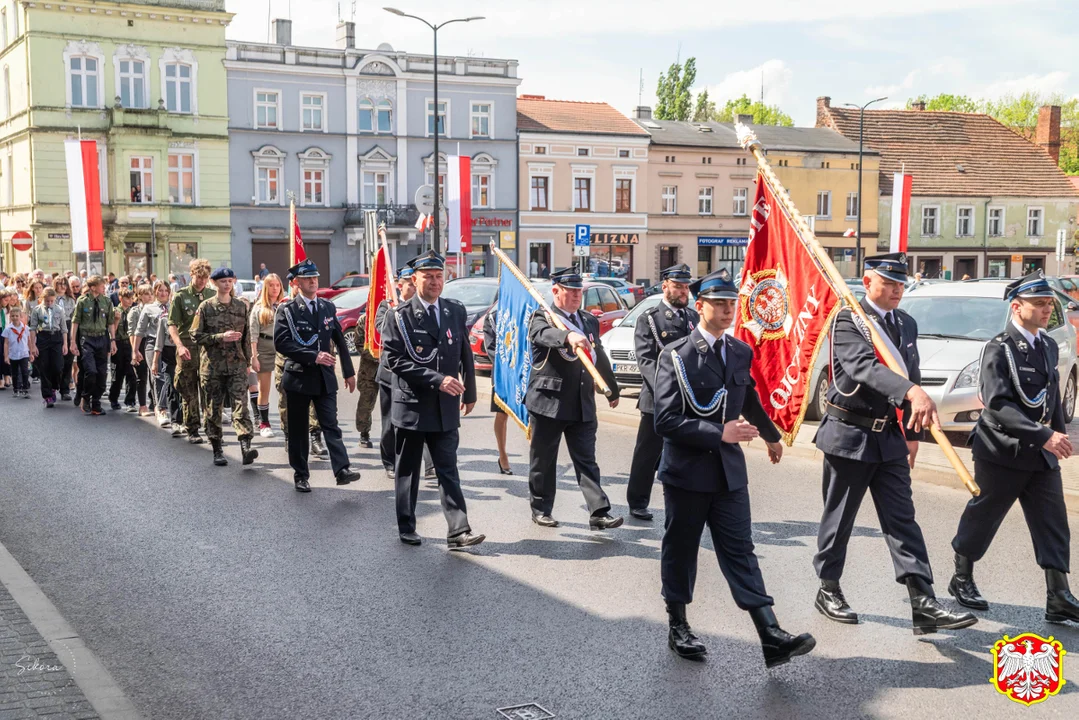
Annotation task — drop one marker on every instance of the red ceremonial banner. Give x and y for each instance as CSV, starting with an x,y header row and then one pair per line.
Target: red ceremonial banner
x,y
785,307
378,291
301,251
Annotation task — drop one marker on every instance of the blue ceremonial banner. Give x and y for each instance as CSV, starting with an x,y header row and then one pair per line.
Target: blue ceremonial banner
x,y
512,361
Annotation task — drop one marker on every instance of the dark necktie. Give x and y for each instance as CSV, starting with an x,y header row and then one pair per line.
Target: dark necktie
x,y
432,313
893,331
681,316
717,348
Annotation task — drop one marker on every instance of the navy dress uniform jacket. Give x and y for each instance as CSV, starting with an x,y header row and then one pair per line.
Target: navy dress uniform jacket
x,y
1009,432
863,385
694,454
301,373
657,328
409,333
559,387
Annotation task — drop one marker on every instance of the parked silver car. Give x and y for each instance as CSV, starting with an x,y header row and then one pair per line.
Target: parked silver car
x,y
618,343
954,322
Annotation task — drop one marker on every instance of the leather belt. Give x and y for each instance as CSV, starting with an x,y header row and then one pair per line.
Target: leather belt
x,y
873,424
264,336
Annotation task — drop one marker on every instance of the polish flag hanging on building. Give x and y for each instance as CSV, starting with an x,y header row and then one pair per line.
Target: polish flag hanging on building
x,y
901,211
459,203
84,196
424,222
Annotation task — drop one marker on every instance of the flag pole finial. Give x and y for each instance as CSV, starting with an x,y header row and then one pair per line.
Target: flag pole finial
x,y
746,137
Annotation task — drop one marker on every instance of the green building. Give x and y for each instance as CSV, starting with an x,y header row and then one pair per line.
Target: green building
x,y
146,80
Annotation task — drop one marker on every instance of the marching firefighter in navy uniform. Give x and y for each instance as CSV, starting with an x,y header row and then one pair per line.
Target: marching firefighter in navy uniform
x,y
656,328
865,448
425,346
305,331
1018,444
702,387
561,400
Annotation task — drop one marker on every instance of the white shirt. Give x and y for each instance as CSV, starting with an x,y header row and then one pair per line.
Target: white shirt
x,y
310,303
1026,333
711,340
427,305
883,313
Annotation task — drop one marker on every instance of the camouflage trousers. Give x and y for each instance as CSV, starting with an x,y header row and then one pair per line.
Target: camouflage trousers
x,y
312,419
229,390
367,387
187,384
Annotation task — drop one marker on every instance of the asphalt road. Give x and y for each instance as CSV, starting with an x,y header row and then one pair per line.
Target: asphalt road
x,y
222,593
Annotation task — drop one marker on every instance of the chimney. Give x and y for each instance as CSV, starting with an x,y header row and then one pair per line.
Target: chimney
x,y
282,32
346,35
745,119
642,112
824,104
1047,133
918,105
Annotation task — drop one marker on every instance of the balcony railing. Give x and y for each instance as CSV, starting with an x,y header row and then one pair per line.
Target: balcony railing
x,y
392,215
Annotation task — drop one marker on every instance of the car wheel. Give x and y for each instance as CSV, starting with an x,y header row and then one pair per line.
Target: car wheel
x,y
350,341
1069,399
815,411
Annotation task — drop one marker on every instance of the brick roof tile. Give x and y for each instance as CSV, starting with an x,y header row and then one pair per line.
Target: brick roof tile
x,y
567,116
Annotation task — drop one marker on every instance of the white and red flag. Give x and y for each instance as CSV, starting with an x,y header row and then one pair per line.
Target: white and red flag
x,y
84,196
901,186
459,203
785,305
424,222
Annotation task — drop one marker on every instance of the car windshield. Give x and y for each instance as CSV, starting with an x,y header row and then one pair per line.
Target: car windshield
x,y
352,281
967,318
473,295
350,299
651,301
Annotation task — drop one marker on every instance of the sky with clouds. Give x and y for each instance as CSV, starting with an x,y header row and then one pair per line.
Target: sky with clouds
x,y
851,50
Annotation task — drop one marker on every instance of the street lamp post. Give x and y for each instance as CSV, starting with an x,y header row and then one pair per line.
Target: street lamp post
x,y
434,29
861,138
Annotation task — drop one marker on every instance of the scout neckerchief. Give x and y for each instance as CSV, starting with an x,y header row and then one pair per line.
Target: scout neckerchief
x,y
18,334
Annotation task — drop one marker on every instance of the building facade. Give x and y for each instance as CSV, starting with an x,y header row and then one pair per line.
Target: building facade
x,y
702,184
347,130
582,164
146,81
985,202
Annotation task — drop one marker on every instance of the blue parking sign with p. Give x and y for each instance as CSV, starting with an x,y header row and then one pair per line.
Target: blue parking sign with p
x,y
582,235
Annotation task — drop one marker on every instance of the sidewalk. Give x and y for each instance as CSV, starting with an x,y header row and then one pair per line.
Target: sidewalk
x,y
931,465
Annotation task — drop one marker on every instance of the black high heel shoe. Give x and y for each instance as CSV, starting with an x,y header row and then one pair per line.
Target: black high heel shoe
x,y
502,470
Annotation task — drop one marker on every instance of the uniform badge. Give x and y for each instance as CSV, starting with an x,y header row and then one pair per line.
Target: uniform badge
x,y
419,349
1028,668
1022,345
663,334
669,316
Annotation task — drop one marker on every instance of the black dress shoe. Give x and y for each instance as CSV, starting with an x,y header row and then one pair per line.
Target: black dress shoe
x,y
680,637
65,397
962,586
114,405
640,514
604,522
1060,604
194,438
317,448
465,539
219,456
544,520
365,441
249,453
346,476
832,605
302,485
430,473
779,646
411,538
928,614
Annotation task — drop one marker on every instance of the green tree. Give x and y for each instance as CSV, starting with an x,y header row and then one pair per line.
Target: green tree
x,y
705,109
762,114
948,102
674,101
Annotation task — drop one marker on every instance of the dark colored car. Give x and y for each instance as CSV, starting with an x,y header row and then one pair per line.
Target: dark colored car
x,y
346,283
350,304
477,294
599,299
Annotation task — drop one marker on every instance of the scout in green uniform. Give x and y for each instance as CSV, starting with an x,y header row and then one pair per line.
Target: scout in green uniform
x,y
181,313
94,324
220,331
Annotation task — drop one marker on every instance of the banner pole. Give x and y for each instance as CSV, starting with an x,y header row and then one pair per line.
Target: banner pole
x,y
749,141
555,320
391,286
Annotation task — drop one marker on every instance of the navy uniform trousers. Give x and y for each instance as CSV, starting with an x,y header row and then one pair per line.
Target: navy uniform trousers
x,y
580,437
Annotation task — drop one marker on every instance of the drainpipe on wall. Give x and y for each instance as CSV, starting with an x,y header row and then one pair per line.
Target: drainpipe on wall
x,y
517,201
985,240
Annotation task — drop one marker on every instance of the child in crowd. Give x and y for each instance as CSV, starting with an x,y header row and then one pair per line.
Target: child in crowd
x,y
48,344
17,352
8,299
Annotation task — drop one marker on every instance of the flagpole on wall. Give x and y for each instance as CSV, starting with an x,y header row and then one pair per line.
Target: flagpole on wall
x,y
750,142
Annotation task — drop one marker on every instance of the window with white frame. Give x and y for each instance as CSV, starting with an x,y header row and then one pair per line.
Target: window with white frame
x,y
15,24
314,176
132,83
481,191
852,205
623,195
376,188
430,180
480,118
741,196
266,107
623,153
269,169
10,169
367,116
442,129
313,186
582,194
384,116
311,112
1034,222
996,222
182,178
3,26
670,199
539,149
141,174
704,201
824,204
83,72
930,220
539,192
178,87
964,221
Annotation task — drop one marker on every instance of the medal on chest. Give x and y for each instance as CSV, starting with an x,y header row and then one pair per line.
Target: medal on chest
x,y
449,337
